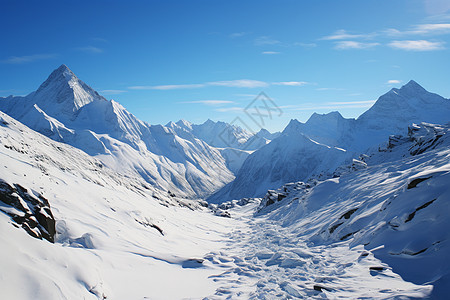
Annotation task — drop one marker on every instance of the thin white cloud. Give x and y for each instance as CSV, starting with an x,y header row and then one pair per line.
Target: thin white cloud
x,y
433,28
229,109
238,34
421,29
167,87
332,105
16,60
290,83
345,45
393,81
240,83
329,89
306,45
270,52
112,92
344,35
417,45
90,49
210,102
265,40
367,102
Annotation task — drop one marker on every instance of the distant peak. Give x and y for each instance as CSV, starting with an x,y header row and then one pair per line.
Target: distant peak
x,y
209,121
292,126
184,123
63,68
334,115
412,86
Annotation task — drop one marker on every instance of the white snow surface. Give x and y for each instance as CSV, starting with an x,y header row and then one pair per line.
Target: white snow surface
x,y
106,247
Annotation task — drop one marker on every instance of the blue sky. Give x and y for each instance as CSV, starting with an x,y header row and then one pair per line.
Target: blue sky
x,y
168,60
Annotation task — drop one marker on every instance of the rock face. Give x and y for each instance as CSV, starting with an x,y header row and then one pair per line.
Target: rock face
x,y
31,212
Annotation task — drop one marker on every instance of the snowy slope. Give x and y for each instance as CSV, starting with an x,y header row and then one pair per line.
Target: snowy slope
x,y
284,159
117,236
287,158
397,207
65,109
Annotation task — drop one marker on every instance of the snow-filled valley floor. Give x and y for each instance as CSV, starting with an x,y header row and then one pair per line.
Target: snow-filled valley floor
x,y
265,260
353,236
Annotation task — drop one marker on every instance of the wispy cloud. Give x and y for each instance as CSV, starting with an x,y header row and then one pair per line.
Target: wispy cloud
x,y
417,45
422,29
265,40
209,102
330,105
90,49
393,81
112,92
240,83
238,34
345,45
167,87
290,83
329,89
365,102
229,109
16,60
344,35
270,52
305,45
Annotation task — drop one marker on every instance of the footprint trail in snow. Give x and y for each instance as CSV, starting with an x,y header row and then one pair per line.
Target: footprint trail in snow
x,y
263,260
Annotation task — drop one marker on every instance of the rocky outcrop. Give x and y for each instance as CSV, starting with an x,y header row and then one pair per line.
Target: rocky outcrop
x,y
28,211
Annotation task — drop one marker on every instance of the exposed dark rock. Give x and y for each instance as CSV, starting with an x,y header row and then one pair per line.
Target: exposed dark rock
x,y
416,181
31,212
348,235
320,288
377,268
334,227
348,214
151,225
412,215
364,254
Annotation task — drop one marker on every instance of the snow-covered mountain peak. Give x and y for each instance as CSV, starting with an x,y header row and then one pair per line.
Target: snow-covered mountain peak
x,y
331,119
63,93
293,126
184,124
331,116
412,87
